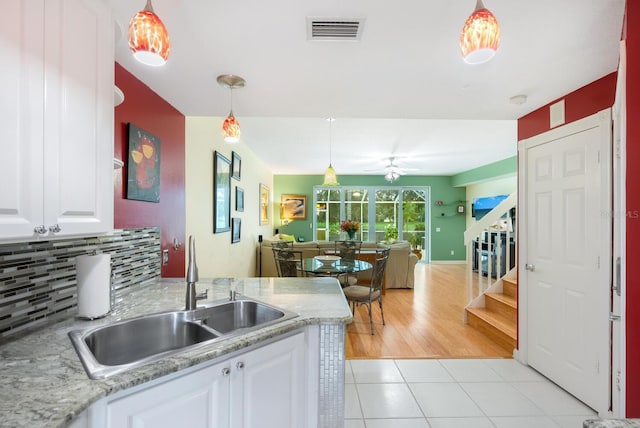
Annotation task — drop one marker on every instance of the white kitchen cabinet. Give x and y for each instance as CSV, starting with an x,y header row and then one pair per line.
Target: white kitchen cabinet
x,y
265,388
56,137
199,399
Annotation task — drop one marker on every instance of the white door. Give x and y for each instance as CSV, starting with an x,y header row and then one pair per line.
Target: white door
x,y
568,256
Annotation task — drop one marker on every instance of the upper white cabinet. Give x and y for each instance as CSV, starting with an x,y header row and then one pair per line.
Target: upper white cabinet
x,y
56,138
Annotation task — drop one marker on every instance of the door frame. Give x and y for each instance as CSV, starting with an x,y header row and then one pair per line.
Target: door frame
x,y
619,160
603,120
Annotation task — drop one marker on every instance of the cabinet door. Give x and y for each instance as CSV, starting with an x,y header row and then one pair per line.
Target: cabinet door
x,y
268,386
21,109
78,116
196,400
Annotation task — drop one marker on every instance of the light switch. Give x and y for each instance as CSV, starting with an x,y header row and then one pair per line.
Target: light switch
x,y
437,229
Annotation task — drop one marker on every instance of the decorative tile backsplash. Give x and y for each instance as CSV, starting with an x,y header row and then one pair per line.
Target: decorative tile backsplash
x,y
38,279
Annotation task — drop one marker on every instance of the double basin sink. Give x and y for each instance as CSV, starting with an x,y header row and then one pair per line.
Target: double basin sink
x,y
114,348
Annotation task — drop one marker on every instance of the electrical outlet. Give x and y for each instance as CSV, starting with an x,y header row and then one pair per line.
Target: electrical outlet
x,y
452,252
165,257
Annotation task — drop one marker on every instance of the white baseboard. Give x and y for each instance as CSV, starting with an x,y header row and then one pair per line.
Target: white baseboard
x,y
448,262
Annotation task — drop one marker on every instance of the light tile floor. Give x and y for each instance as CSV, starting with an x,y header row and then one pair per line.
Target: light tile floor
x,y
496,393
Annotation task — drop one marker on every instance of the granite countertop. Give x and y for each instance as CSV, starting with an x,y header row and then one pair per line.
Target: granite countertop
x,y
44,383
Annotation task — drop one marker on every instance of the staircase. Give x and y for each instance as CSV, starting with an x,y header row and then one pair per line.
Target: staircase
x,y
498,318
493,288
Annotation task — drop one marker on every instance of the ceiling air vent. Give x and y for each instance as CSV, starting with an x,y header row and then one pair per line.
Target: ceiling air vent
x,y
348,29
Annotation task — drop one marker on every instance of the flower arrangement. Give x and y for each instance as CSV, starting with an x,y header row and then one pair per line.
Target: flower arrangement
x,y
349,226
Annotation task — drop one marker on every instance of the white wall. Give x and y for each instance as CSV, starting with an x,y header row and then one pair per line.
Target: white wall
x,y
216,255
501,186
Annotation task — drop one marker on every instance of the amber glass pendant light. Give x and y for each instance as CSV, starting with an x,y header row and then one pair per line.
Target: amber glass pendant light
x,y
330,178
148,37
480,36
231,126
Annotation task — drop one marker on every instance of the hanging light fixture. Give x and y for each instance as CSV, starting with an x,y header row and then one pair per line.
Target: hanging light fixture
x,y
148,37
391,176
480,36
330,178
231,126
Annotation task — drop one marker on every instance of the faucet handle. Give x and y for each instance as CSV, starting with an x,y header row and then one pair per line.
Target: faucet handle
x,y
202,295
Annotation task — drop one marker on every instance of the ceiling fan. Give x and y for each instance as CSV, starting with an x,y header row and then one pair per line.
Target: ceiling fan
x,y
392,171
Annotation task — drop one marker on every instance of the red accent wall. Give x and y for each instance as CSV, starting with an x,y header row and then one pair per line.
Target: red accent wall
x,y
578,104
148,111
632,36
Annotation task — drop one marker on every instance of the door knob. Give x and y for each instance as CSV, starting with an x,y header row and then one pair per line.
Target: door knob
x,y
530,267
240,365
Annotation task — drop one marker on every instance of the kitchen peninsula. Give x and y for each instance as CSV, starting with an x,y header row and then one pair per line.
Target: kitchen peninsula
x,y
44,383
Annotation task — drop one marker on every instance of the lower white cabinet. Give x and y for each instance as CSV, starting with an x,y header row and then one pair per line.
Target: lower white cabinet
x,y
265,387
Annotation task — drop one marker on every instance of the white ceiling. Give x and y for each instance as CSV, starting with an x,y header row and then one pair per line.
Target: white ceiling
x,y
402,90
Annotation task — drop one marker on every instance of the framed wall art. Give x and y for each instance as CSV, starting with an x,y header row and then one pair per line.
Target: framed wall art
x,y
236,163
264,204
143,165
293,207
239,199
235,230
221,193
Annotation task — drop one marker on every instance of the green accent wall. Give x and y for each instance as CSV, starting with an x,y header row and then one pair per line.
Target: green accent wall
x,y
444,218
505,167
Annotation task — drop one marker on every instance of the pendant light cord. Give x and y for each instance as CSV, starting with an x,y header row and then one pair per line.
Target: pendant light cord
x,y
330,138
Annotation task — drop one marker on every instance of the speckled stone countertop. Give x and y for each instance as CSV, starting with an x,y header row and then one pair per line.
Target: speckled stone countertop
x,y
43,382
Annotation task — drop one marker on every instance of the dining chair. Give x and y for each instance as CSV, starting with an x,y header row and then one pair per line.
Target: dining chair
x,y
348,251
281,245
288,262
367,294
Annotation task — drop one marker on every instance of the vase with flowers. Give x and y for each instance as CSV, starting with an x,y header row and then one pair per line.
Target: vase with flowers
x,y
350,227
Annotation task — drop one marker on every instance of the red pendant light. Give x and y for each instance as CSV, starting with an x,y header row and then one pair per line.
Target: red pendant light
x,y
480,36
231,129
148,37
231,126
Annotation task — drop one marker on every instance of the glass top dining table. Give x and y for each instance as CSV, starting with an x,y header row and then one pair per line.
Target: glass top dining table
x,y
315,267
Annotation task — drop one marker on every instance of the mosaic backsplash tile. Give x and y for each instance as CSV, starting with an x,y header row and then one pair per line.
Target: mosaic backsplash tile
x,y
38,279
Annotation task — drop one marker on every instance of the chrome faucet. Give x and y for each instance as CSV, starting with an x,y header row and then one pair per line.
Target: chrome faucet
x,y
192,278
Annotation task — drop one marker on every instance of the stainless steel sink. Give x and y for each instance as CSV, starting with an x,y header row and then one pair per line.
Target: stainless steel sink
x,y
115,348
238,315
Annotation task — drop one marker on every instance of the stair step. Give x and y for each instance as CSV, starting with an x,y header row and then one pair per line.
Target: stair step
x,y
510,287
500,329
503,304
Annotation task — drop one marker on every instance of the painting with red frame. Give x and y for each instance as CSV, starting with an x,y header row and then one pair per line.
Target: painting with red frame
x,y
143,168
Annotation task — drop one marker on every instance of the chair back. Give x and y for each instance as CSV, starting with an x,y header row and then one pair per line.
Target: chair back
x,y
348,250
288,262
379,266
280,245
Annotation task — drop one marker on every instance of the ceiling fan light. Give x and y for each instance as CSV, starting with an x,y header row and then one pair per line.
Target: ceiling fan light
x,y
148,38
330,177
391,176
231,129
480,36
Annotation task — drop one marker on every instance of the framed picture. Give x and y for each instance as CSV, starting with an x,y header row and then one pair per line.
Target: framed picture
x,y
293,207
143,165
235,230
239,199
235,165
264,204
221,193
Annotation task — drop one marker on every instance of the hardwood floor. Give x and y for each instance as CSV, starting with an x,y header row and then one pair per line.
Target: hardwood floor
x,y
426,322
